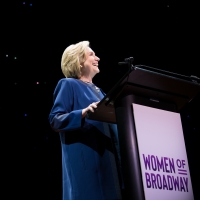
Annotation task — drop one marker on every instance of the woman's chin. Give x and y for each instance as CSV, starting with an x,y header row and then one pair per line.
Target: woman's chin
x,y
97,70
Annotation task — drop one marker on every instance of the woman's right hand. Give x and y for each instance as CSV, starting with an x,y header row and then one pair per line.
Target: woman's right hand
x,y
90,108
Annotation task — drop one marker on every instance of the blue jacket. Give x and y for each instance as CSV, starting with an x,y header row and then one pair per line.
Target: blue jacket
x,y
89,169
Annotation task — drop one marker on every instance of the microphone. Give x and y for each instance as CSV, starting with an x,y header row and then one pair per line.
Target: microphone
x,y
126,61
129,59
122,63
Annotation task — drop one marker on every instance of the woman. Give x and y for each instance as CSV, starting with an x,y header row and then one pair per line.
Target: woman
x,y
89,169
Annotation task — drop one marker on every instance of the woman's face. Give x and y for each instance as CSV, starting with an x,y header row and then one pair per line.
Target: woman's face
x,y
90,66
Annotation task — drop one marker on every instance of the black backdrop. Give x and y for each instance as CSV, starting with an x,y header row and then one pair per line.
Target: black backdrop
x,y
160,34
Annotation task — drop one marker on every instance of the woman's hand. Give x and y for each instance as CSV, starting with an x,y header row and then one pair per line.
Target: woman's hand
x,y
90,108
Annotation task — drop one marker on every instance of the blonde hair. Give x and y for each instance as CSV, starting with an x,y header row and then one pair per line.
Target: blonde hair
x,y
72,58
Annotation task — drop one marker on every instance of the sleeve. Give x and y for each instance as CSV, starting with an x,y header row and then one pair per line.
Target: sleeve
x,y
62,117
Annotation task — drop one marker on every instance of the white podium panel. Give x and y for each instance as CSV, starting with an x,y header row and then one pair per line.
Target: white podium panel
x,y
162,153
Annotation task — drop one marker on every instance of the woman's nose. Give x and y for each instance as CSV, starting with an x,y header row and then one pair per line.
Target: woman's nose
x,y
97,58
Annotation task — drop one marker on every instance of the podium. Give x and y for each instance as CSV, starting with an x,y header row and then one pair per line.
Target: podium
x,y
145,105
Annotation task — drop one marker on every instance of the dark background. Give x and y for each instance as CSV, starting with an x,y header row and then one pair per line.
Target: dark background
x,y
33,36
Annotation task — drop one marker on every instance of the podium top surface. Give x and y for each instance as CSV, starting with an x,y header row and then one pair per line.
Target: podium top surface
x,y
160,86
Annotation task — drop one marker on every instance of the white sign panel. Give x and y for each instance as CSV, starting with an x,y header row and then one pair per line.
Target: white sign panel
x,y
163,158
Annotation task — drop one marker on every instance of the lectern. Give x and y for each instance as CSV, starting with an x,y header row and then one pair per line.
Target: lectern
x,y
145,105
